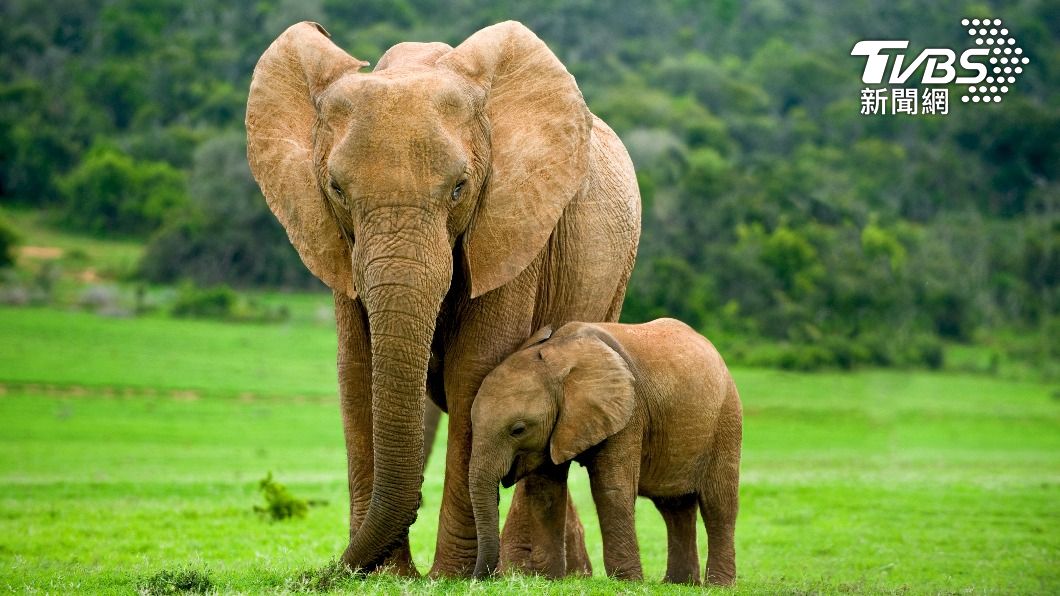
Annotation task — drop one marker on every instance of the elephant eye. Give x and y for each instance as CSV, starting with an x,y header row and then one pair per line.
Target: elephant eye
x,y
456,190
338,190
518,429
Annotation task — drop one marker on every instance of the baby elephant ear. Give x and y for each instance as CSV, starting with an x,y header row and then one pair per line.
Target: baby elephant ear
x,y
541,335
598,395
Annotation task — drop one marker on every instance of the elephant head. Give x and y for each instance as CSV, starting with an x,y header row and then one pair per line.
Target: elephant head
x,y
381,178
546,403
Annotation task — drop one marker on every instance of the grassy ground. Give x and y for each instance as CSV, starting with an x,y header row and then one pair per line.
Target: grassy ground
x,y
106,259
132,447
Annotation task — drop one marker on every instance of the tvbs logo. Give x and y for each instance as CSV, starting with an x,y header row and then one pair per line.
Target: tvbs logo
x,y
937,62
987,69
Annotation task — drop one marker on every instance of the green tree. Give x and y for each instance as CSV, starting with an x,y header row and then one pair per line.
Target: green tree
x,y
110,192
226,233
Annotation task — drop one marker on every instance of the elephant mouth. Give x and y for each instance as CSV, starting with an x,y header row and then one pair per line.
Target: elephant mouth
x,y
509,478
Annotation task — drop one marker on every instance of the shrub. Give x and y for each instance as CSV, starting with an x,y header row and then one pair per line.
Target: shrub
x,y
100,298
925,350
210,303
805,358
110,192
323,579
226,233
175,581
221,302
846,352
280,504
8,240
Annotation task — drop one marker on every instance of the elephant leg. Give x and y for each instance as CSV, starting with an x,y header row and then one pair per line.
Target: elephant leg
x,y
521,551
578,562
489,329
719,497
355,389
682,556
719,516
545,515
457,543
718,503
431,417
614,475
515,537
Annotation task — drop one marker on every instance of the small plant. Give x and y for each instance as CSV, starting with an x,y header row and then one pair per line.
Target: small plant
x,y
212,303
322,579
224,303
176,581
280,504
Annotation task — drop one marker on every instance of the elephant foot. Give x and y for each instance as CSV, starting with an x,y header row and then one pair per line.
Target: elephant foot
x,y
720,579
689,578
398,562
455,557
514,557
518,554
453,568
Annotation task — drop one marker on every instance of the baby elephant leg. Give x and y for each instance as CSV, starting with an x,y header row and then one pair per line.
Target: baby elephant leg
x,y
718,503
682,557
613,477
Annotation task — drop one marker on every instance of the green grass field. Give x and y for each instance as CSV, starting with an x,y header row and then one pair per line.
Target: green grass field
x,y
108,258
132,446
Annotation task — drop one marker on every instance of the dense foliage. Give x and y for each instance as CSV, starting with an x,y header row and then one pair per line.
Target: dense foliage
x,y
773,208
227,234
109,192
8,240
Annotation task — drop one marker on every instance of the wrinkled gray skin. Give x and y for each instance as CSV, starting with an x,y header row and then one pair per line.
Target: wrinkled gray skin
x,y
649,410
454,199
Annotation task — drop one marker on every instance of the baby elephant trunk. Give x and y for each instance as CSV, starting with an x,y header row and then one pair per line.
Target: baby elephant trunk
x,y
485,501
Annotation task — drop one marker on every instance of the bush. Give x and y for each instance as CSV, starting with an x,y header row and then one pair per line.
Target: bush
x,y
110,192
226,234
210,303
320,579
924,350
102,299
280,504
224,303
839,351
805,358
9,238
175,581
847,353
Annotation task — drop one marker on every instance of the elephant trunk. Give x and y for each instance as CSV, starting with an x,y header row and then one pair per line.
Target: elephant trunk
x,y
402,292
486,470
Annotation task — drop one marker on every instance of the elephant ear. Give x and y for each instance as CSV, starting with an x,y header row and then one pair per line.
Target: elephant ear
x,y
598,395
281,114
539,135
412,53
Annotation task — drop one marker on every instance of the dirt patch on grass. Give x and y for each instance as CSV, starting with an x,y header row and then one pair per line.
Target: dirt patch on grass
x,y
185,395
44,253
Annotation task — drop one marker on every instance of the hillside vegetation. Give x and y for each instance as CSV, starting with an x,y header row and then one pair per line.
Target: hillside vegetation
x,y
778,219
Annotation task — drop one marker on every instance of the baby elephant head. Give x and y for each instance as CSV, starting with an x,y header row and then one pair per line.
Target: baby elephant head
x,y
548,402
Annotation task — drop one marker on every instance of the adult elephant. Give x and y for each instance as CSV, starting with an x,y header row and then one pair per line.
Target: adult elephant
x,y
454,200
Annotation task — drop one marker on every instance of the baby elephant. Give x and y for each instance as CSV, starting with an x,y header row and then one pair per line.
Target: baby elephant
x,y
649,409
